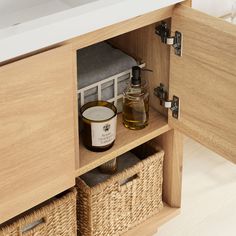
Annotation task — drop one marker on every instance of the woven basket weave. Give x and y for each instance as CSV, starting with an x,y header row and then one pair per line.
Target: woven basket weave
x,y
58,217
114,206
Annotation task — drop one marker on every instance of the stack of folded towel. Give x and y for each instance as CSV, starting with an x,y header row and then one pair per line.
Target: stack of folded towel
x,y
98,62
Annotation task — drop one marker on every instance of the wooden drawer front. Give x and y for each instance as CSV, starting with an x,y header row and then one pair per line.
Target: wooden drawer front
x,y
36,130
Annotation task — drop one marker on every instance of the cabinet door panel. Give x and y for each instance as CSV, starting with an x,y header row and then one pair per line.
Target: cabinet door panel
x,y
36,130
204,79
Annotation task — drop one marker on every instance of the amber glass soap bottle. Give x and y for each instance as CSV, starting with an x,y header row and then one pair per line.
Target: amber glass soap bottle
x,y
136,102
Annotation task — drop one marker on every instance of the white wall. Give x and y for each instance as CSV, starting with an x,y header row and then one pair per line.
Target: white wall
x,y
213,7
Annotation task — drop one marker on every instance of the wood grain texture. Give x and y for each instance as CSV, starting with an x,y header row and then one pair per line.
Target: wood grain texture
x,y
33,53
150,226
204,80
187,3
172,143
75,107
36,130
120,28
144,45
126,140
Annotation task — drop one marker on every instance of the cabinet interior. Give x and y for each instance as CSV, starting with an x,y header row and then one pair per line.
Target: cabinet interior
x,y
145,46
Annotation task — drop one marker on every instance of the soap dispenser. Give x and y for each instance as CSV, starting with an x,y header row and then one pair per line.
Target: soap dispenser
x,y
136,102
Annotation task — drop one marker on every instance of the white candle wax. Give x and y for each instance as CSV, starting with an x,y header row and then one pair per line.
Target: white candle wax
x,y
98,113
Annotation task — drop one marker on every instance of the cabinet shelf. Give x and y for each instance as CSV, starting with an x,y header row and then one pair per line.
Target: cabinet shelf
x,y
126,140
150,226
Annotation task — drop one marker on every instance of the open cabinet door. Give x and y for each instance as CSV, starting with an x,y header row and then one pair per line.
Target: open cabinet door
x,y
204,79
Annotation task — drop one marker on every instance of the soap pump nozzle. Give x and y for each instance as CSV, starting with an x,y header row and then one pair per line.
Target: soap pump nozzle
x,y
136,77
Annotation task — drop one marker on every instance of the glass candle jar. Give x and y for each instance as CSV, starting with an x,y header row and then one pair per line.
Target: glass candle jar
x,y
109,167
99,125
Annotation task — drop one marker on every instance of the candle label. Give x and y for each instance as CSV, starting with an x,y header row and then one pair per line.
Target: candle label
x,y
103,133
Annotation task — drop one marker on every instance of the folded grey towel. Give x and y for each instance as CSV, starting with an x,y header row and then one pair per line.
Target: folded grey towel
x,y
100,61
94,177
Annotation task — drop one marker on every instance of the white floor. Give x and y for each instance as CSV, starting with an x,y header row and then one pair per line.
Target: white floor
x,y
208,196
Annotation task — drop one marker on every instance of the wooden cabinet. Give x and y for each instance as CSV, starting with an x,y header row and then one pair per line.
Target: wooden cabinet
x,y
38,108
203,78
36,130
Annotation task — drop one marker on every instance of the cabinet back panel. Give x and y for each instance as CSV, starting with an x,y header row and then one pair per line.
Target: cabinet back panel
x,y
36,130
143,44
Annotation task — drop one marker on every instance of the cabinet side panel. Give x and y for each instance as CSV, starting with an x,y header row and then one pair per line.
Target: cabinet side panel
x,y
36,130
143,44
172,143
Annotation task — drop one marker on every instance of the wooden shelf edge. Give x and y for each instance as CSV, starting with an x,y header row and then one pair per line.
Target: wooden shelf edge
x,y
150,226
126,140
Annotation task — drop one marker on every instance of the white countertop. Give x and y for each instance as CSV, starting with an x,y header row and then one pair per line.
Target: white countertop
x,y
28,25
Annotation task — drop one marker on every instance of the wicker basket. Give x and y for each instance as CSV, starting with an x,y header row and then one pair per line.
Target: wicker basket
x,y
58,217
123,201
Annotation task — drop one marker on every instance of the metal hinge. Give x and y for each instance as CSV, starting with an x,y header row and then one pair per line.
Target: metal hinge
x,y
173,105
176,41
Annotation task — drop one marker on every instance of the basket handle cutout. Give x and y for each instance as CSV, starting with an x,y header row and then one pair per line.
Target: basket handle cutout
x,y
128,180
37,224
